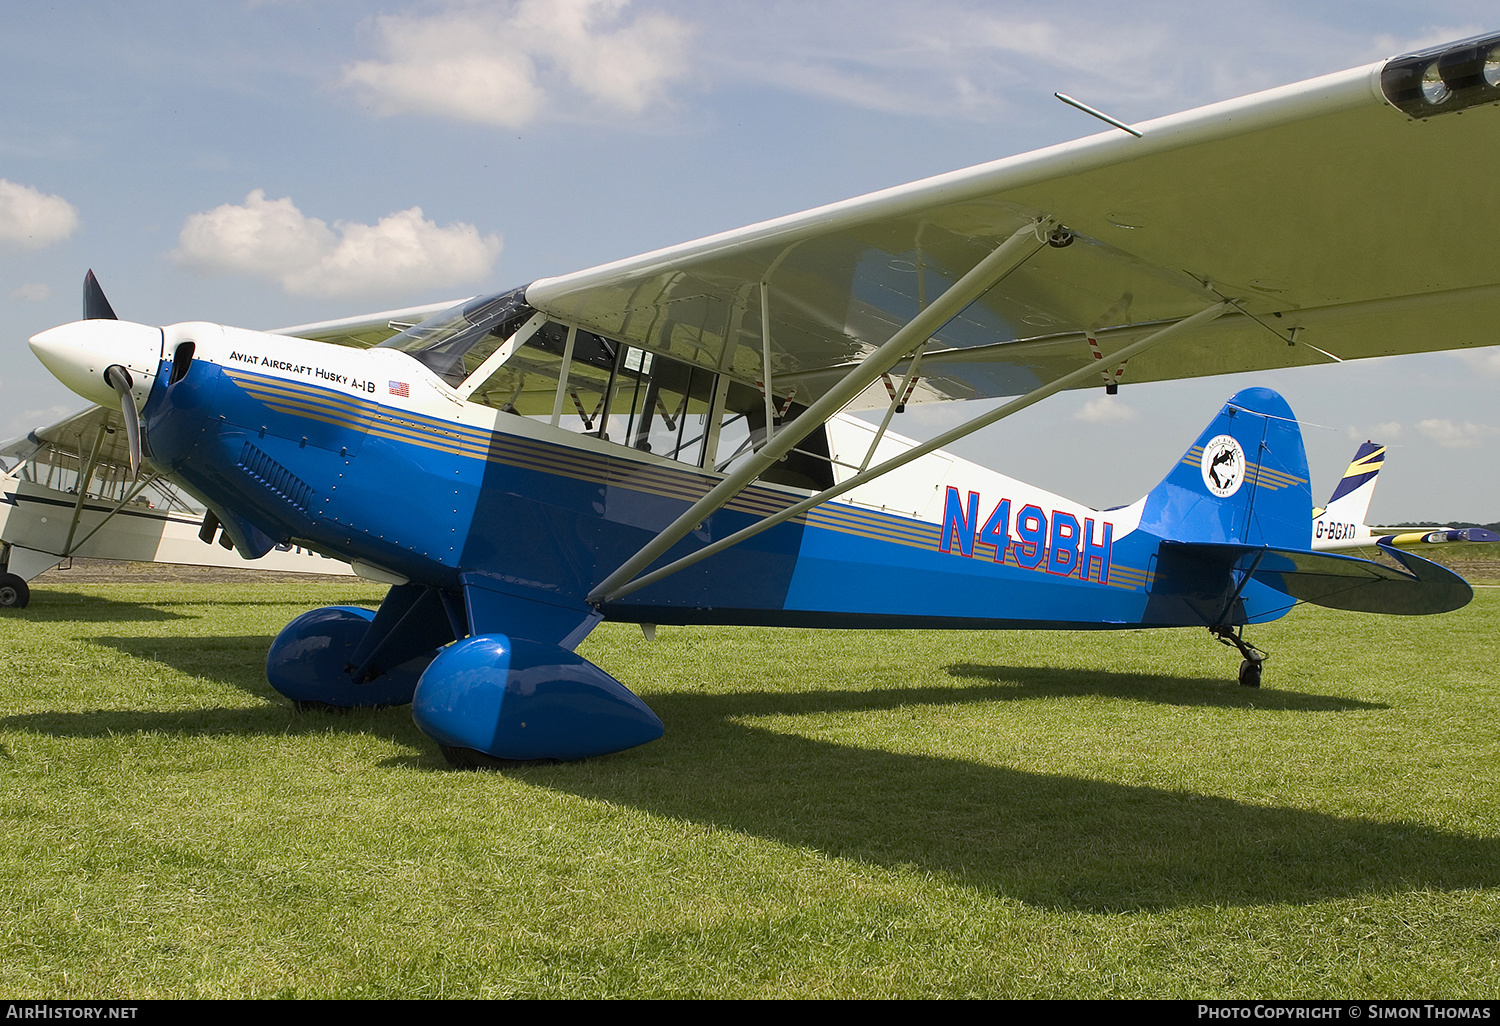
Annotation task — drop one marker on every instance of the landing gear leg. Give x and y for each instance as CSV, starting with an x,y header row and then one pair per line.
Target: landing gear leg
x,y
1254,657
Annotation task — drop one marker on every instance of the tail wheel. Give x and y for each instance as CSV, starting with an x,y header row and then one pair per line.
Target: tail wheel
x,y
1254,657
1250,673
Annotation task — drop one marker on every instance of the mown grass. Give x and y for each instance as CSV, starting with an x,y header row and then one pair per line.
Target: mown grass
x,y
881,813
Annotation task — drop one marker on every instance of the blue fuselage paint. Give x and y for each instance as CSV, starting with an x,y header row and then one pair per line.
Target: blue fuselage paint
x,y
322,460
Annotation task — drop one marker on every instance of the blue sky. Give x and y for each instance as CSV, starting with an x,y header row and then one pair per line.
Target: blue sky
x,y
273,163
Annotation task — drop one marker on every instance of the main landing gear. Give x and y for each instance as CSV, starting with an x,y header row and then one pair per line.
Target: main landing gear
x,y
14,594
309,663
1254,657
489,700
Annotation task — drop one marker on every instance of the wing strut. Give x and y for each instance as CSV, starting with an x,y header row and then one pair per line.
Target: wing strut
x,y
896,405
983,276
765,359
85,475
139,487
1014,406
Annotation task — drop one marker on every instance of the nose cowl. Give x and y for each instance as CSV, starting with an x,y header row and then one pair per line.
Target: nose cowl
x,y
78,354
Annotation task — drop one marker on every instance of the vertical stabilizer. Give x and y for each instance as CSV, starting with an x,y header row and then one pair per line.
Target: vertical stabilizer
x,y
1341,524
1244,480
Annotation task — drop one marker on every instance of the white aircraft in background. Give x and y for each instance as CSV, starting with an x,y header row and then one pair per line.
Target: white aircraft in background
x,y
1341,523
67,490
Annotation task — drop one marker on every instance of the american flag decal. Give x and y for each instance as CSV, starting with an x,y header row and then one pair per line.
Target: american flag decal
x,y
400,388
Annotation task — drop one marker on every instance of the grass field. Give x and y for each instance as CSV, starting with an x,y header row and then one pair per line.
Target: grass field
x,y
877,813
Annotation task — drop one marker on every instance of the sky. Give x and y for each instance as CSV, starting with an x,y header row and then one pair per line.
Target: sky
x,y
277,162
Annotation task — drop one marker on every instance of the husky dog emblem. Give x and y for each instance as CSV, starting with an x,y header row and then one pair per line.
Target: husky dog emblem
x,y
1223,466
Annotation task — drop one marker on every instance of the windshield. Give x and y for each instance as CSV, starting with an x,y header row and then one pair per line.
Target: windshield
x,y
455,342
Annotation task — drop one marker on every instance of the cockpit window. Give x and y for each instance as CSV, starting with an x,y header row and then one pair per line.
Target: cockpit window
x,y
454,343
527,382
586,383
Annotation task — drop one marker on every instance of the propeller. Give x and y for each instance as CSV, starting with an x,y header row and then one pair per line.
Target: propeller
x,y
120,380
95,306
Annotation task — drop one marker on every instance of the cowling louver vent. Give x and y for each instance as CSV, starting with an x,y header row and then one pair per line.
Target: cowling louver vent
x,y
276,477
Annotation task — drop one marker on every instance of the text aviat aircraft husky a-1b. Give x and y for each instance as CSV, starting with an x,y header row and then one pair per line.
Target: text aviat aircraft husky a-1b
x,y
662,439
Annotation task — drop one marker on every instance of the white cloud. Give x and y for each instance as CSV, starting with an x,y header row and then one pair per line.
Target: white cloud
x,y
271,239
1456,436
263,238
30,420
1384,434
506,66
400,249
993,60
1103,409
1485,361
945,58
32,292
31,219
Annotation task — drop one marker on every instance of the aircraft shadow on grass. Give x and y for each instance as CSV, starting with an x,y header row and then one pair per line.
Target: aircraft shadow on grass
x,y
236,661
229,661
1051,841
1032,682
58,606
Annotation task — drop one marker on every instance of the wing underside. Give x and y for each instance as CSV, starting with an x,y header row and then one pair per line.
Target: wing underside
x,y
1340,226
96,433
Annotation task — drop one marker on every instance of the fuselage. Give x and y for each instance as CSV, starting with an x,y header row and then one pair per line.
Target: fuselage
x,y
369,456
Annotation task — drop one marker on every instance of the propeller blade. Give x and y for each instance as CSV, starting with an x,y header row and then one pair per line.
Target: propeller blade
x,y
119,379
95,306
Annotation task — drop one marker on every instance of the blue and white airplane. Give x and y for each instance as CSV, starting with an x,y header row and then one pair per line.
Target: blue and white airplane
x,y
665,439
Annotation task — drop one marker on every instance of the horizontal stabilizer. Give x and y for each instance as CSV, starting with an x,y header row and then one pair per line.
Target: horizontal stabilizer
x,y
1343,582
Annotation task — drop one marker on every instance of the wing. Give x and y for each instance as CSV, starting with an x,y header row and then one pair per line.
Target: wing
x,y
366,330
1345,217
98,431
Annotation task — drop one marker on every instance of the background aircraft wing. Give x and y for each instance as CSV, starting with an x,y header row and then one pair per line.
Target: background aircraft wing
x,y
1343,225
76,436
44,519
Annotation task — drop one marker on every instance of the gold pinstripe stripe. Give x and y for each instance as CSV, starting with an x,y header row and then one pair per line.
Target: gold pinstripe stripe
x,y
354,413
1266,477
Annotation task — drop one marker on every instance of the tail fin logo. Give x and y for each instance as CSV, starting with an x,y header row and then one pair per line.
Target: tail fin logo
x,y
1223,466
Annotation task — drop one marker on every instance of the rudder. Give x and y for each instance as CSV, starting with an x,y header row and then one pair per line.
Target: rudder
x,y
1244,481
